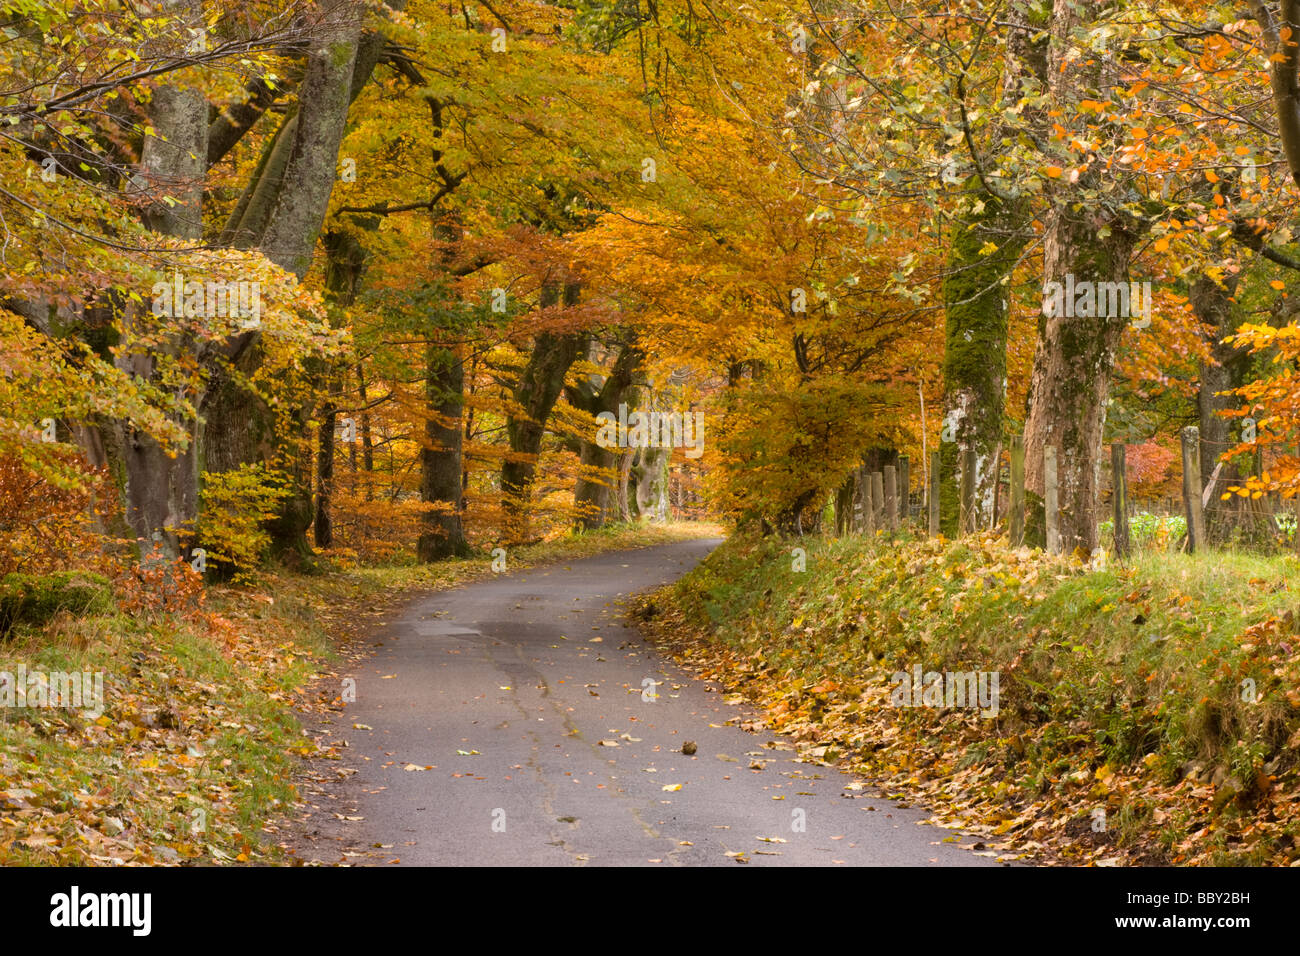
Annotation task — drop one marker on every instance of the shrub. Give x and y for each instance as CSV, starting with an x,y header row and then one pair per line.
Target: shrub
x,y
45,527
35,599
235,508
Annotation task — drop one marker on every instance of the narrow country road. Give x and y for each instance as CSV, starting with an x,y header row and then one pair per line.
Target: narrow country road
x,y
523,696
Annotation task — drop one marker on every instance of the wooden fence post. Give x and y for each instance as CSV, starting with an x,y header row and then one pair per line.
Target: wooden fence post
x,y
878,500
966,515
868,512
904,491
891,499
1017,516
1051,514
855,520
1119,492
934,494
1195,508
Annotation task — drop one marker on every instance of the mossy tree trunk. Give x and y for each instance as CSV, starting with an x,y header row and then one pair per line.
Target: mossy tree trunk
x,y
984,249
1090,239
1072,373
985,245
282,212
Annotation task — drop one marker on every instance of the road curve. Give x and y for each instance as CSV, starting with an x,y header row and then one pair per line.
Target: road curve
x,y
525,697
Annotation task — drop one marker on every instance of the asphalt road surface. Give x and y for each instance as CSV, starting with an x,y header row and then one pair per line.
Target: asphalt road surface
x,y
552,735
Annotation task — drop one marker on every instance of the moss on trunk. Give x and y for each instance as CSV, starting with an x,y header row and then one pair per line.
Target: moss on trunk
x,y
985,246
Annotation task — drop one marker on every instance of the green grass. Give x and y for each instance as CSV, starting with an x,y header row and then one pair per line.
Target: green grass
x,y
1142,670
186,728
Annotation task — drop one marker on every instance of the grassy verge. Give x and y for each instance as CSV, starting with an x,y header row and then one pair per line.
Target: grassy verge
x,y
193,757
1146,714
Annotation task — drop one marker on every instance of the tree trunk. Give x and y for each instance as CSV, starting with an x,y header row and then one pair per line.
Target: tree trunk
x,y
367,437
440,460
624,474
537,391
592,494
1227,370
323,530
1090,242
976,296
977,288
651,483
282,212
1072,373
343,280
162,486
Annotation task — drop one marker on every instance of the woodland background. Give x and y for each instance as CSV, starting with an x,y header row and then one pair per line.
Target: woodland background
x,y
475,227
472,228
